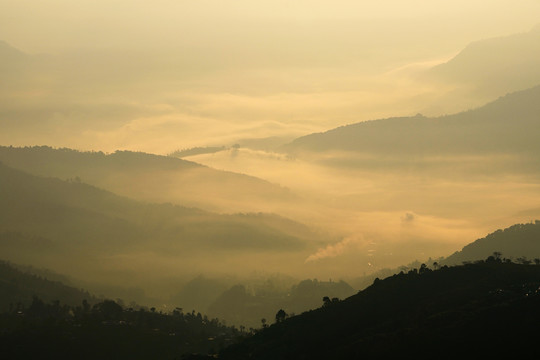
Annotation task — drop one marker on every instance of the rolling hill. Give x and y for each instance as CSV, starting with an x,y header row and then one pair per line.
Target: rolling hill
x,y
150,177
90,233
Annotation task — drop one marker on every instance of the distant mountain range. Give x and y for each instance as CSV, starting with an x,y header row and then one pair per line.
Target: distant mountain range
x,y
495,66
507,125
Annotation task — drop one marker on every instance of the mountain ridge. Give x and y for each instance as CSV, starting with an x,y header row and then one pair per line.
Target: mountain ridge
x,y
494,127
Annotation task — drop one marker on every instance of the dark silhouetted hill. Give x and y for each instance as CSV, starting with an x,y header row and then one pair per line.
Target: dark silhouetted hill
x,y
482,310
107,330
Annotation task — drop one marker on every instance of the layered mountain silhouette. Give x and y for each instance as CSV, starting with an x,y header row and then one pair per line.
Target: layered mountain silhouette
x,y
72,226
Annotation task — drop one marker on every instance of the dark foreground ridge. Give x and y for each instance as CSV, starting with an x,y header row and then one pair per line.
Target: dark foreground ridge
x,y
107,330
487,309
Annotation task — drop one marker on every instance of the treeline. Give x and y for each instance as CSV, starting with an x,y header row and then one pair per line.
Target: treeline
x,y
107,330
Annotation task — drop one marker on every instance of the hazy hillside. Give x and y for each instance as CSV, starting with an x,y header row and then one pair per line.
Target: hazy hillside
x,y
150,177
80,230
240,305
496,65
517,241
505,126
18,287
464,310
9,56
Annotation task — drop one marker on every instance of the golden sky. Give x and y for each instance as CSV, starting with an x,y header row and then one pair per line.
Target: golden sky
x,y
171,74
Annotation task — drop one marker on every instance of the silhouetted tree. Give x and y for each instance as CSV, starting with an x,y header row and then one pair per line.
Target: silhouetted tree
x,y
326,301
281,315
423,269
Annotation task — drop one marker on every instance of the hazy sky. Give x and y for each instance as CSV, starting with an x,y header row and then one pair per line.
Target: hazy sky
x,y
52,25
173,74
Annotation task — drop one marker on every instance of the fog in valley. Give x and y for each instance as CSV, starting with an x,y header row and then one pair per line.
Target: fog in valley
x,y
212,154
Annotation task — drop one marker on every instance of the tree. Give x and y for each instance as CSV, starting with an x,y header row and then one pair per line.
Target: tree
x,y
326,301
423,269
281,315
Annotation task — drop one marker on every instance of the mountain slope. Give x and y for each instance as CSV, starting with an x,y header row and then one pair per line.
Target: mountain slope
x,y
18,287
149,177
453,312
508,125
496,65
517,241
72,227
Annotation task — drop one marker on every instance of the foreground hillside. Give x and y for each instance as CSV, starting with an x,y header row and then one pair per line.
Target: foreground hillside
x,y
484,309
107,330
40,318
